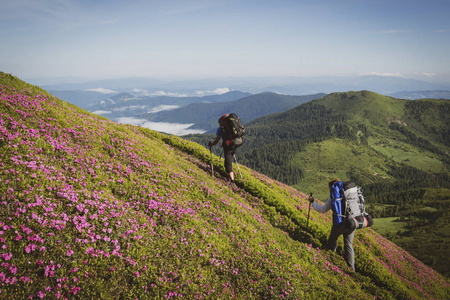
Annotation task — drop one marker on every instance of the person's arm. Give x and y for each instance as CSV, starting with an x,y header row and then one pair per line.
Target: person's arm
x,y
215,141
322,208
218,135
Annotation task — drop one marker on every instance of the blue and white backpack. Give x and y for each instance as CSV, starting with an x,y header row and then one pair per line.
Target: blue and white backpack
x,y
348,205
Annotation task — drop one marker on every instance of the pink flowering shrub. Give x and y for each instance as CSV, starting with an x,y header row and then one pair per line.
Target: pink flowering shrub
x,y
91,209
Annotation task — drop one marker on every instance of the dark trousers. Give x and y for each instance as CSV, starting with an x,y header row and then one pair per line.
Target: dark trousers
x,y
228,154
348,234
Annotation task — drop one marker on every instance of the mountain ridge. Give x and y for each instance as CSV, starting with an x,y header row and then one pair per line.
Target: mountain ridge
x,y
92,101
204,116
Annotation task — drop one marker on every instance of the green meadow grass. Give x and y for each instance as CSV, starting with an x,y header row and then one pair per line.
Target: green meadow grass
x,y
389,225
401,153
336,158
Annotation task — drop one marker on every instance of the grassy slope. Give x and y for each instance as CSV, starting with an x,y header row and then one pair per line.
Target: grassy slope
x,y
95,209
336,158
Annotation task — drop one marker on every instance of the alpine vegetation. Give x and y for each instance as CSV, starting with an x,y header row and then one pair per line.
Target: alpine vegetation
x,y
92,209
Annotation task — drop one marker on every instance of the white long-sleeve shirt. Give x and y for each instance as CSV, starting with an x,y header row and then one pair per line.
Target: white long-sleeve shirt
x,y
322,208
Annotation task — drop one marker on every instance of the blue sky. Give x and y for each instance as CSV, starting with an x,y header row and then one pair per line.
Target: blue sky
x,y
225,38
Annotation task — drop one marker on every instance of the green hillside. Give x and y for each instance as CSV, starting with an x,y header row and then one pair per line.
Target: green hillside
x,y
92,209
397,149
386,130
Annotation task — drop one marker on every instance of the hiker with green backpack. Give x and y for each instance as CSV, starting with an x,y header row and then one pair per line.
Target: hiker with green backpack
x,y
347,203
231,131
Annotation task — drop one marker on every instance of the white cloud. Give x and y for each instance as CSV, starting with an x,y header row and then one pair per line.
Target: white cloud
x,y
140,92
398,74
102,91
131,120
123,108
162,93
218,91
170,128
110,100
162,108
385,74
101,112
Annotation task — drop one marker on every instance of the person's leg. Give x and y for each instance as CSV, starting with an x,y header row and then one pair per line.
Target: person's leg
x,y
228,154
332,239
336,231
231,174
349,254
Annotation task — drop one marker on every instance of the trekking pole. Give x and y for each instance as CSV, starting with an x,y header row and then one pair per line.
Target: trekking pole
x,y
237,165
212,165
309,209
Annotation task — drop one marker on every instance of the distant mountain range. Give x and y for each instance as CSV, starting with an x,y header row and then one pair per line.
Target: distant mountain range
x,y
205,115
127,105
84,99
148,100
284,85
201,112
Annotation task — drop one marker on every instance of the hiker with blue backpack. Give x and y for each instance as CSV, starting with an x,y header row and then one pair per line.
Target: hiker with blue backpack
x,y
231,131
347,203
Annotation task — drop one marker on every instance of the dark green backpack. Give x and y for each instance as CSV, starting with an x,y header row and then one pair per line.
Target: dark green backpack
x,y
233,130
